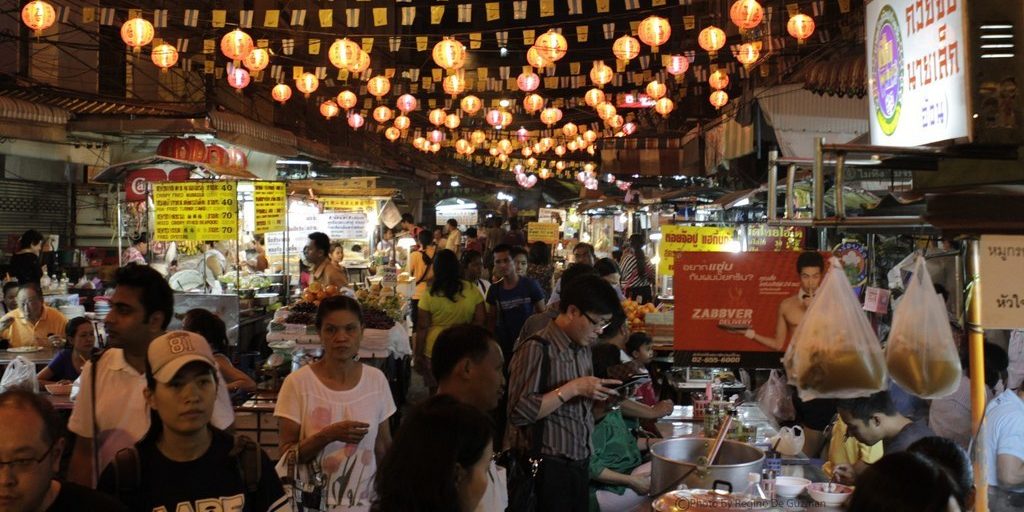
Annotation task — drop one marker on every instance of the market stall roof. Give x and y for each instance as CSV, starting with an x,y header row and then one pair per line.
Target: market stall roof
x,y
339,187
732,199
116,173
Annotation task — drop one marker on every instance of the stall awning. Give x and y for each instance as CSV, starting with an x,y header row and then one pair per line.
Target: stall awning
x,y
798,116
116,173
731,200
31,121
240,130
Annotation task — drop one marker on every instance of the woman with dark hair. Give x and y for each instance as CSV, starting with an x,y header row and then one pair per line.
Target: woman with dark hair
x,y
473,242
212,328
67,365
450,301
183,460
136,253
637,271
954,461
25,265
904,482
473,271
539,266
420,263
333,414
609,271
439,461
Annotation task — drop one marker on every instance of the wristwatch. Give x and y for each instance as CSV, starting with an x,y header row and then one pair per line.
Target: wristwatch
x,y
558,392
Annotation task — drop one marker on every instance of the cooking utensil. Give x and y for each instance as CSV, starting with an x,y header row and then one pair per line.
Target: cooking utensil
x,y
722,432
683,460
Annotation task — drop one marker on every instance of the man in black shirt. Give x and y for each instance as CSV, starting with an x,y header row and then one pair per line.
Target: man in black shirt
x,y
31,444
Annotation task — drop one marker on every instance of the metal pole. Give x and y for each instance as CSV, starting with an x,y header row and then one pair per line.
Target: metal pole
x,y
818,181
790,183
287,267
238,238
773,183
840,198
976,345
120,223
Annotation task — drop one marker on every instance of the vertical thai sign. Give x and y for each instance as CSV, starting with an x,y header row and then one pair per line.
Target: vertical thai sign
x,y
1002,283
269,199
917,74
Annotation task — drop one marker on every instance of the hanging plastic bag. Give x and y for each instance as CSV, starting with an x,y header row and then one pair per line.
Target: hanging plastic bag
x,y
921,354
20,374
834,352
775,398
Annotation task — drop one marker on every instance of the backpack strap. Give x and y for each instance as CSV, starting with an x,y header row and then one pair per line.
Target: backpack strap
x,y
427,260
95,360
250,463
127,475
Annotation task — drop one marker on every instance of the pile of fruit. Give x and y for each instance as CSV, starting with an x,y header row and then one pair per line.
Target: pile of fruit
x,y
303,313
315,293
382,307
635,313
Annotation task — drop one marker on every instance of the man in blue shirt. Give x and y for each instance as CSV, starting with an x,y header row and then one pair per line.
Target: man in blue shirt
x,y
511,300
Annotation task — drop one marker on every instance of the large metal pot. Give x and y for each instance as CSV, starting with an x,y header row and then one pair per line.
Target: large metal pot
x,y
676,462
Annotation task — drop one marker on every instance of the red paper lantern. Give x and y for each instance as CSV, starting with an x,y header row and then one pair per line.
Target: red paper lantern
x,y
165,56
719,80
533,103
362,63
528,81
656,90
392,133
471,105
217,156
436,117
449,54
719,99
551,45
454,84
378,86
654,31
746,14
136,33
535,59
452,121
747,54
238,78
594,97
343,53
711,39
801,27
402,123
235,45
406,103
601,74
257,60
281,93
329,109
664,106
626,48
494,118
347,99
38,16
382,114
677,65
356,120
307,83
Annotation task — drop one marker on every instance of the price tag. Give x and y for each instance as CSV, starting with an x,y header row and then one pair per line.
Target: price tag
x,y
199,210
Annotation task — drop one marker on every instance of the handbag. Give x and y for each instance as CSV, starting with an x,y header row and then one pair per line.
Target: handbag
x,y
523,464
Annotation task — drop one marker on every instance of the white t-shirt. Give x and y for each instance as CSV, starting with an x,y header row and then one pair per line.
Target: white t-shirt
x,y
495,498
1004,430
349,468
123,415
1015,351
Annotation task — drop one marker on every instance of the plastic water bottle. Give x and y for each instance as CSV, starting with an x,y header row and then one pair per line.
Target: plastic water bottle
x,y
754,489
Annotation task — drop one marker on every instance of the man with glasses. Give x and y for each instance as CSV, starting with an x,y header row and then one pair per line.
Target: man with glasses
x,y
31,445
558,402
33,323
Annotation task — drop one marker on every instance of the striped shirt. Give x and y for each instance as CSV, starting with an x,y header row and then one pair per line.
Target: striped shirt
x,y
566,430
631,275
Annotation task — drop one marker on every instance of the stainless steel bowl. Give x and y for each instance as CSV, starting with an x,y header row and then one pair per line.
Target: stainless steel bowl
x,y
676,462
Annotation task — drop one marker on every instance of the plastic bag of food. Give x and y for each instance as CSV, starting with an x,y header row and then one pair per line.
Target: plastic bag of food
x,y
21,374
921,354
775,399
834,352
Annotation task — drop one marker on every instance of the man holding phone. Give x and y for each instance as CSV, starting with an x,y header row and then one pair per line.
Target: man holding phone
x,y
559,402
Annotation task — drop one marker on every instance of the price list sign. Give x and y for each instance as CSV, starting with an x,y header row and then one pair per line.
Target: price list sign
x,y
268,198
196,211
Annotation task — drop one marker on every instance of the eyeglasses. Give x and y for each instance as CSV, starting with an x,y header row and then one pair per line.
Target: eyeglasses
x,y
23,465
600,327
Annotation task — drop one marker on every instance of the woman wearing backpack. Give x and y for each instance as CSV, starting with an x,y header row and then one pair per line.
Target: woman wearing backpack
x,y
183,463
420,262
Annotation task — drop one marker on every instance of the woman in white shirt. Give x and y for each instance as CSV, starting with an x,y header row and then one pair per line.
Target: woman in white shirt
x,y
334,413
212,266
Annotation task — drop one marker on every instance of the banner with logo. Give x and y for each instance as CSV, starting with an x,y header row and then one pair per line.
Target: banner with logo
x,y
680,239
719,295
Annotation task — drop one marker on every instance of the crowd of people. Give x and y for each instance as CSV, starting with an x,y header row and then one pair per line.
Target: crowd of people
x,y
527,405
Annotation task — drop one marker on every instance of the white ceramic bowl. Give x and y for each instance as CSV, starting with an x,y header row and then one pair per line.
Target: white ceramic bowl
x,y
59,389
790,486
840,493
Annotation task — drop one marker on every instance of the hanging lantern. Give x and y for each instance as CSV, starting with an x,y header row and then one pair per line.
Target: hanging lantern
x,y
138,32
601,74
463,147
654,31
307,83
664,106
746,14
281,93
711,39
656,90
615,122
535,59
629,128
471,105
748,54
505,146
560,165
436,117
257,60
605,110
526,152
550,116
544,173
494,151
503,157
560,150
165,56
594,97
402,122
719,80
494,118
478,137
378,86
551,45
38,16
570,130
382,114
449,54
547,143
356,120
677,65
506,119
719,99
435,136
418,142
533,103
237,78
626,48
347,99
362,63
528,81
452,121
406,103
329,109
801,27
392,133
435,147
343,53
454,84
590,135
531,162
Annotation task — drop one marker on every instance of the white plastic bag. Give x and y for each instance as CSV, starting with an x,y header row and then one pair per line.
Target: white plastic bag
x,y
21,373
834,352
921,354
775,399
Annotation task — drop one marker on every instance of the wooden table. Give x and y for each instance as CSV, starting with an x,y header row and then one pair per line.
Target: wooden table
x,y
39,357
59,402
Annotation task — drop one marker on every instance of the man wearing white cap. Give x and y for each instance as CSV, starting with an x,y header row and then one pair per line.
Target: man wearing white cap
x,y
183,463
141,309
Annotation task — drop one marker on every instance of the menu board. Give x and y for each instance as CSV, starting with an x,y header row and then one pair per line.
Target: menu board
x,y
348,204
269,200
1002,283
546,232
344,225
764,238
195,210
680,239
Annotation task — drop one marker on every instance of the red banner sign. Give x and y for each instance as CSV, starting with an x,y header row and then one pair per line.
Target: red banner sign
x,y
136,180
719,295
